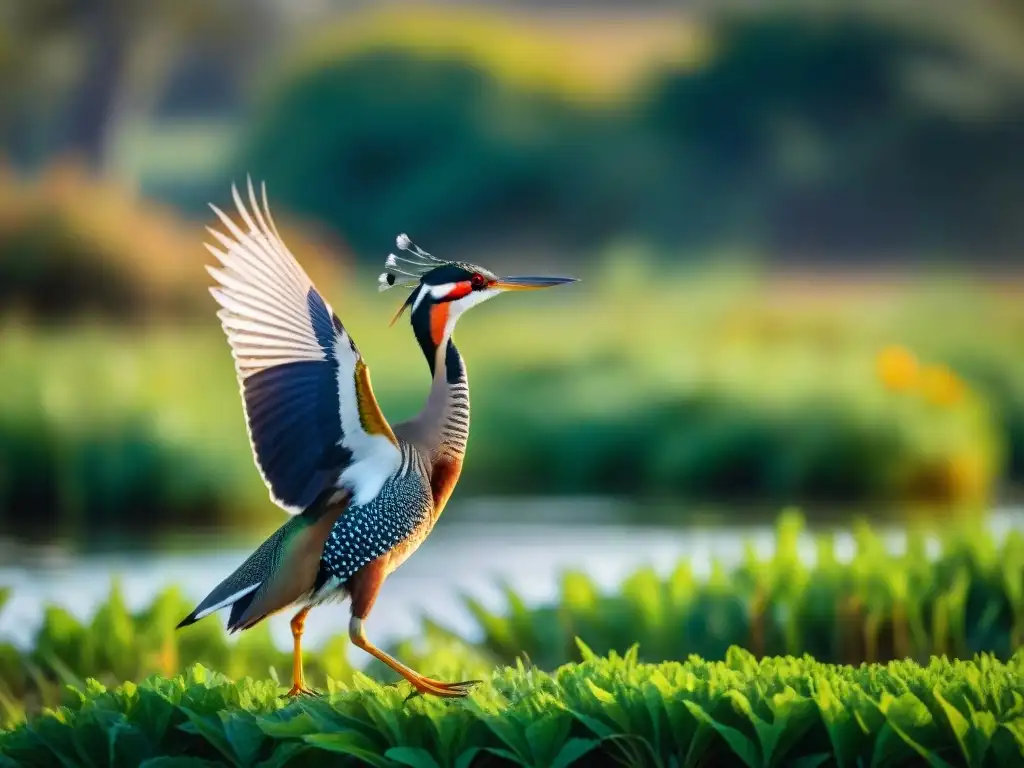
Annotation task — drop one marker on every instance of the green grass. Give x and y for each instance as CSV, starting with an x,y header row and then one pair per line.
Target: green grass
x,y
604,711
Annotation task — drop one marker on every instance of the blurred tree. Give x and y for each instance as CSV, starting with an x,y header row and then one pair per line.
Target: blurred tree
x,y
124,50
446,149
810,134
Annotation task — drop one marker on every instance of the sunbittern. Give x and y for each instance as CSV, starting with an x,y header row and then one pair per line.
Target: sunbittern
x,y
362,494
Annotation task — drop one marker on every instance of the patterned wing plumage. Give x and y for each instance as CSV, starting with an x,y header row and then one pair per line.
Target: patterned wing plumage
x,y
312,418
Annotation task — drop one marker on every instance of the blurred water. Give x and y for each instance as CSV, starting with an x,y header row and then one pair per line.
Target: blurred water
x,y
469,554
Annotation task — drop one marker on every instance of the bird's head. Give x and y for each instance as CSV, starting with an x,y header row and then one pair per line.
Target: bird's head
x,y
443,290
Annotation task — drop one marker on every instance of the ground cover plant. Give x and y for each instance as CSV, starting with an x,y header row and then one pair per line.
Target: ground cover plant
x,y
878,607
602,711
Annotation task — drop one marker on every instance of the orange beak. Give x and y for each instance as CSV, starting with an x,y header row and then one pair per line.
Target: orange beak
x,y
529,283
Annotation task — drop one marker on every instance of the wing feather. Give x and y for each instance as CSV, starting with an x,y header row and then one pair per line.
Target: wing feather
x,y
303,382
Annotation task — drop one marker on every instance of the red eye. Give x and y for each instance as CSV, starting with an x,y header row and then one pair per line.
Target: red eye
x,y
477,281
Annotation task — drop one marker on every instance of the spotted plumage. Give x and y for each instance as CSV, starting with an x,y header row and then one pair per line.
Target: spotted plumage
x,y
402,510
363,494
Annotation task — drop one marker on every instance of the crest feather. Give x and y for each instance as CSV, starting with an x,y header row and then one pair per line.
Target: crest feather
x,y
407,269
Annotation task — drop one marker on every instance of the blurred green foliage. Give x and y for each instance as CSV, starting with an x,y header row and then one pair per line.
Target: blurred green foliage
x,y
802,133
657,382
75,245
878,607
719,392
785,711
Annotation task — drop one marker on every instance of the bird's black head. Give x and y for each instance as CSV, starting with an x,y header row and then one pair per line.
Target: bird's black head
x,y
443,290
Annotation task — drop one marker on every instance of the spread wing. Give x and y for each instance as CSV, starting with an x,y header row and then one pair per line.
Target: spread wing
x,y
312,417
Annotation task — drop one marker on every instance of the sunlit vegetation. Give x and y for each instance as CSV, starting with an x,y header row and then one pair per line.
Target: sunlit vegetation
x,y
563,56
740,711
877,607
719,393
73,245
796,132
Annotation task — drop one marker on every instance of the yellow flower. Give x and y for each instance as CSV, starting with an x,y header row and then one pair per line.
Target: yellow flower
x,y
941,386
897,368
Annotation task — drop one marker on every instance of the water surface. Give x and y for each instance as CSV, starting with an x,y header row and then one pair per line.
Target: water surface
x,y
478,546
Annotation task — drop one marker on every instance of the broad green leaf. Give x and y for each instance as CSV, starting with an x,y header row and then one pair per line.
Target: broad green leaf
x,y
504,754
412,756
282,725
895,747
506,731
792,716
153,714
973,742
92,745
741,746
212,730
466,758
284,754
907,717
385,718
598,727
611,707
1008,742
129,746
348,743
244,734
845,729
53,736
573,750
547,735
657,693
165,761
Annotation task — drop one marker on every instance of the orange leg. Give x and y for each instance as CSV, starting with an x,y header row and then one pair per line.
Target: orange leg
x,y
298,680
363,587
420,683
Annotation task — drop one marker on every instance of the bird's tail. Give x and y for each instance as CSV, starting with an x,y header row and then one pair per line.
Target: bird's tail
x,y
278,574
241,588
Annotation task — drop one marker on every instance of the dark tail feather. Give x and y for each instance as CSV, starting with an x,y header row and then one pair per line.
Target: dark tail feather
x,y
280,571
238,608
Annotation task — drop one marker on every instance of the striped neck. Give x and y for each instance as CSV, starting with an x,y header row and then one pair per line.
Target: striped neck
x,y
446,414
452,380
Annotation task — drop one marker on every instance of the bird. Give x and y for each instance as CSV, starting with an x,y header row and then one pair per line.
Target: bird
x,y
360,494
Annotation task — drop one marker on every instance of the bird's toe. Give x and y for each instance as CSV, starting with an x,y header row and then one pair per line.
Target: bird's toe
x,y
300,690
429,686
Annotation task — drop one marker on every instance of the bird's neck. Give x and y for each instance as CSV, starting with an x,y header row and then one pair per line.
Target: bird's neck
x,y
444,420
452,387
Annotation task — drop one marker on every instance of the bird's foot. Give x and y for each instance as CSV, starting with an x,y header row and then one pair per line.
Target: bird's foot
x,y
299,689
429,686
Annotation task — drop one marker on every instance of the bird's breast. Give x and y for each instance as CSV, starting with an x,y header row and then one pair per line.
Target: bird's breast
x,y
404,549
391,525
443,476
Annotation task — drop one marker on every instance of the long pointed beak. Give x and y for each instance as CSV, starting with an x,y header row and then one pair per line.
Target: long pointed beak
x,y
530,283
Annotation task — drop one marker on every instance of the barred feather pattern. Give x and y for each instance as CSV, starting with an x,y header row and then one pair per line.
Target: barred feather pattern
x,y
455,427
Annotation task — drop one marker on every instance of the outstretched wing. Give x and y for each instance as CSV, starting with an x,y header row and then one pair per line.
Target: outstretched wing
x,y
312,417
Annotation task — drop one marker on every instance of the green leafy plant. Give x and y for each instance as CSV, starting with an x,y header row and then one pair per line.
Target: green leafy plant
x,y
740,711
877,607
